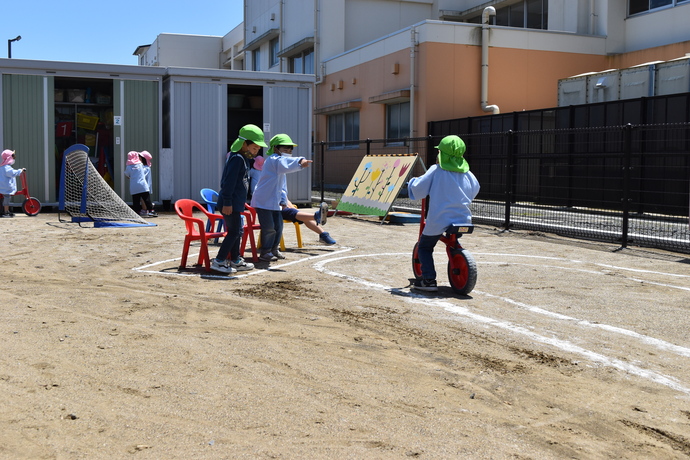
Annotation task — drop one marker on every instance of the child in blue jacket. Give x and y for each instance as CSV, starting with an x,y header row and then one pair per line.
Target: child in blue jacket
x,y
232,197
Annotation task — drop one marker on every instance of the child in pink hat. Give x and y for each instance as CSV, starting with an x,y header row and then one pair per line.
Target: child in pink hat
x,y
8,181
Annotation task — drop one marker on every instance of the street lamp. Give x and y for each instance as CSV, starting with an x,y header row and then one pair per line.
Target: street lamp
x,y
9,45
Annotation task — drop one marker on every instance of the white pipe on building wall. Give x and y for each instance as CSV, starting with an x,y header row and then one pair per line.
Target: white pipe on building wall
x,y
488,11
413,50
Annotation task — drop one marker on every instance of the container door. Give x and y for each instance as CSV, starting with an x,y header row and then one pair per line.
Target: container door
x,y
288,110
137,126
26,115
198,119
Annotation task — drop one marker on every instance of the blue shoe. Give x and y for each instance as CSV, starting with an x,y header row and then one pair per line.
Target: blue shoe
x,y
326,238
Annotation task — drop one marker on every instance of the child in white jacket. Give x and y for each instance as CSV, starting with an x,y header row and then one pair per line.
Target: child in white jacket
x,y
139,186
271,192
8,181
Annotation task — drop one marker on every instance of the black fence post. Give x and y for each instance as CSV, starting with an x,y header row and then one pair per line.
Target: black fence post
x,y
510,144
429,149
368,146
627,154
323,170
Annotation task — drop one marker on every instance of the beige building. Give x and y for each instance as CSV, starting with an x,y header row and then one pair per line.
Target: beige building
x,y
384,68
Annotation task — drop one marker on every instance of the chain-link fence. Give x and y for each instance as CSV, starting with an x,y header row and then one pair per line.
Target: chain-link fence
x,y
625,184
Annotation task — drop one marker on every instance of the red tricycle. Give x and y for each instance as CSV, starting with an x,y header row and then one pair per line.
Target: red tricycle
x,y
31,205
462,268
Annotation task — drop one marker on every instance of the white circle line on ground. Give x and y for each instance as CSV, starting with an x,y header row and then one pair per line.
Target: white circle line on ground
x,y
557,343
143,268
594,272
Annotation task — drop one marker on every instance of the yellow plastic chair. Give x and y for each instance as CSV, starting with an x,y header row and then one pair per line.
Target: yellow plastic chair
x,y
298,231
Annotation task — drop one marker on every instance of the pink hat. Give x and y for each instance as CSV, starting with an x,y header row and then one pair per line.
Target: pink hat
x,y
7,157
133,158
146,155
259,163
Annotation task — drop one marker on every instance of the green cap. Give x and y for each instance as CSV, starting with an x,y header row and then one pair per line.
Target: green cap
x,y
249,133
451,158
282,139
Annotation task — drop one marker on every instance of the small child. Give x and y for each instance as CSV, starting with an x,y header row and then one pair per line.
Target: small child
x,y
255,173
138,183
271,193
146,158
451,187
311,221
232,198
8,181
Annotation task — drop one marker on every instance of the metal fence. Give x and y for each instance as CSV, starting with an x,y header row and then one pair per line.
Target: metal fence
x,y
629,185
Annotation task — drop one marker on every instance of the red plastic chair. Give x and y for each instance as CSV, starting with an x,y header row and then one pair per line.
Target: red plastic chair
x,y
250,224
196,230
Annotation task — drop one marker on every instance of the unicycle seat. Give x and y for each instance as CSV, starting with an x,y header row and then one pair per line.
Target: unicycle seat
x,y
459,229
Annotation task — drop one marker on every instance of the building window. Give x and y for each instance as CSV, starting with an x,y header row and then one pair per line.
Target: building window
x,y
530,14
303,62
640,6
342,128
274,47
397,121
256,59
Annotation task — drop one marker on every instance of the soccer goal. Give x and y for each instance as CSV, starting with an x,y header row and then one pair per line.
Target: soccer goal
x,y
87,197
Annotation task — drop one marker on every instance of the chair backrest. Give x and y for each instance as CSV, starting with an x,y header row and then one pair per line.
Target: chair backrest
x,y
185,209
210,197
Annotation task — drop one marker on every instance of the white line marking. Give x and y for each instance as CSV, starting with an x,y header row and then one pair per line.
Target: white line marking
x,y
205,274
558,343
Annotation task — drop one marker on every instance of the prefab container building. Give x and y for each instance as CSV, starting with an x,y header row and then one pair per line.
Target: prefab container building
x,y
187,118
47,106
205,109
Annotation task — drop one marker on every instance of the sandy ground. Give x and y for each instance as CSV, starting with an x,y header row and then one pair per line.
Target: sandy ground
x,y
565,349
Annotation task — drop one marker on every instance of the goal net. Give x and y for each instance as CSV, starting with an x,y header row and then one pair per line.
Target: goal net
x,y
87,197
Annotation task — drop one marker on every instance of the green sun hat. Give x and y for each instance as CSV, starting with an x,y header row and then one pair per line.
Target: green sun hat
x,y
451,158
282,139
249,133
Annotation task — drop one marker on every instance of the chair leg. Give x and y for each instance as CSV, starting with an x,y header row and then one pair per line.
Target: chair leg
x,y
185,253
282,243
203,256
299,235
253,245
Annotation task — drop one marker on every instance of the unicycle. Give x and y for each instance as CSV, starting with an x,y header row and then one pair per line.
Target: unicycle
x,y
462,268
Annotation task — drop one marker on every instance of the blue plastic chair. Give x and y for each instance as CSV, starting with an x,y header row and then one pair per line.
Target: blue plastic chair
x,y
210,197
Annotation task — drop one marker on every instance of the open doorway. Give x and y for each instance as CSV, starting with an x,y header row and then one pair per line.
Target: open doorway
x,y
84,115
245,105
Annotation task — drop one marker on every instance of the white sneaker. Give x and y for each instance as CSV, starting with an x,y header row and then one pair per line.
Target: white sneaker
x,y
224,266
323,213
241,265
277,253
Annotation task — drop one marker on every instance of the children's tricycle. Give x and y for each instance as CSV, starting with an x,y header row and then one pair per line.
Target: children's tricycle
x,y
462,268
31,205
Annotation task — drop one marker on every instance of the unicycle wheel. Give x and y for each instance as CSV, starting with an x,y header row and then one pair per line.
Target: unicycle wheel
x,y
416,264
462,271
31,206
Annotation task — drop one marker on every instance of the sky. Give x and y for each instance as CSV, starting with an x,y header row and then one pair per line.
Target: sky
x,y
106,32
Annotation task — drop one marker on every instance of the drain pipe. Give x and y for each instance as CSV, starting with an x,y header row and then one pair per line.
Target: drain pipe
x,y
488,11
413,49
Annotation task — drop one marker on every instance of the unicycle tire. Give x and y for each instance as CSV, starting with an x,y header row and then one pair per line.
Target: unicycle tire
x,y
462,271
31,206
416,264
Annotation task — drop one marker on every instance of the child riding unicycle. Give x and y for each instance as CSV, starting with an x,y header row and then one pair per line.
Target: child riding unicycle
x,y
447,190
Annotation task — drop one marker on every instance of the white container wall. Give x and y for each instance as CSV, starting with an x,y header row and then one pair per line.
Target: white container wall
x,y
603,86
673,77
572,91
637,81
